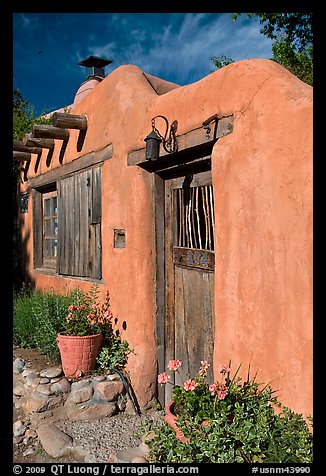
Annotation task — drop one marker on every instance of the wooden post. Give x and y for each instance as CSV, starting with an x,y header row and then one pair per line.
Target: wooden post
x,y
41,131
31,141
18,145
22,156
69,121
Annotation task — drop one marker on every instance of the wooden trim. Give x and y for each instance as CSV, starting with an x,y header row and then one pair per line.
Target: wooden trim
x,y
158,213
76,165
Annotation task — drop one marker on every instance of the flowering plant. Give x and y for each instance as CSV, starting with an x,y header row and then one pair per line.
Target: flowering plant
x,y
87,317
228,421
202,401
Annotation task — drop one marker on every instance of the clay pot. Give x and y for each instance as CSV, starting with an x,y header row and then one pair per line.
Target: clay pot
x,y
78,354
171,419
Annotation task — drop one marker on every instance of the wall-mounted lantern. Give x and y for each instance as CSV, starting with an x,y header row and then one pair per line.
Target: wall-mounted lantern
x,y
152,146
154,139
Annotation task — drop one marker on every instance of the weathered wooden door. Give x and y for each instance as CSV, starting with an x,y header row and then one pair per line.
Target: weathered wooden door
x,y
189,273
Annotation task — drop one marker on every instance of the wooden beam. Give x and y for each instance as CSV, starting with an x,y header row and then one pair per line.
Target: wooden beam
x,y
69,121
197,142
41,131
22,156
31,141
19,145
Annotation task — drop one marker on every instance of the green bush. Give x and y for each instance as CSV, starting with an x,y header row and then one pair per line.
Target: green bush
x,y
37,319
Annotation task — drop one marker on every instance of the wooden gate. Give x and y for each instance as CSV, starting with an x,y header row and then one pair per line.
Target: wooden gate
x,y
189,273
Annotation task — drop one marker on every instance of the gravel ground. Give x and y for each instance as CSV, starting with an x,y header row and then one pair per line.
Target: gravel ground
x,y
101,438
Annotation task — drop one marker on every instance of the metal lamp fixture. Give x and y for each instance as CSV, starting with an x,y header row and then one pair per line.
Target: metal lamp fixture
x,y
154,139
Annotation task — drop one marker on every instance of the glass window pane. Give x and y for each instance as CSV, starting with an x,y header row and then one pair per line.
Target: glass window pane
x,y
54,248
54,206
47,207
47,248
55,226
48,227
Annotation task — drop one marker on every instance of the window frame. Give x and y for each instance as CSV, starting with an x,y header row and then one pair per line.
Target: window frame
x,y
93,252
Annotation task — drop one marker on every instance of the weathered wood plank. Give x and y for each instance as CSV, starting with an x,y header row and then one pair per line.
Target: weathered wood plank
x,y
21,156
19,145
76,165
194,258
50,132
192,142
31,141
69,121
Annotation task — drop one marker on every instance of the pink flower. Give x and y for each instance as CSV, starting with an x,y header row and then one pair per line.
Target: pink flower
x,y
174,364
212,388
71,307
163,378
204,367
69,317
205,364
190,385
222,392
223,369
108,315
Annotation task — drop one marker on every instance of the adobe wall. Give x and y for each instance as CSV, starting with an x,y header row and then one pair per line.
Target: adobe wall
x,y
262,181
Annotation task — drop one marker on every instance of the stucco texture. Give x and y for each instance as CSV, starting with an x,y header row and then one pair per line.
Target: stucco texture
x,y
262,182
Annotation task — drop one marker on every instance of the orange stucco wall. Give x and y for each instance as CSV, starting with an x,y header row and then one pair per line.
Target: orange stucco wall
x,y
262,181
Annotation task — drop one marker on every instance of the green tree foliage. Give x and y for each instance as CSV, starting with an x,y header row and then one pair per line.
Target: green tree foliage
x,y
292,41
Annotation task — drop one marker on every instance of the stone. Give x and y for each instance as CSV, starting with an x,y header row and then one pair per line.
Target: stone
x,y
110,390
35,382
51,372
113,377
29,451
19,365
38,402
90,411
44,380
45,389
99,378
18,390
112,458
139,459
30,433
80,384
81,395
17,439
62,386
19,428
54,441
30,377
126,456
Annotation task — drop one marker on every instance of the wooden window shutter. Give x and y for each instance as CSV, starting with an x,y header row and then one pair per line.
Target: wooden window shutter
x,y
79,224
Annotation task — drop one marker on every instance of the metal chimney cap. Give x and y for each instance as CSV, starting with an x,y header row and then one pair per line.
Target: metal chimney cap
x,y
95,61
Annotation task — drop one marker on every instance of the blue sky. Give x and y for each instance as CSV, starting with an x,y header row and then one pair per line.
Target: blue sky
x,y
176,47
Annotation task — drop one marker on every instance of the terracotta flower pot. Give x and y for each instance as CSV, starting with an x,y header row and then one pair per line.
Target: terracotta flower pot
x,y
171,419
78,354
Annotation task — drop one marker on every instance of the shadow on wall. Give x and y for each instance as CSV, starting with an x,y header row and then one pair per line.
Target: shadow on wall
x,y
21,258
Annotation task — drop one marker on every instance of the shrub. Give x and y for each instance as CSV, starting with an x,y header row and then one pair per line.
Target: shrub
x,y
37,319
